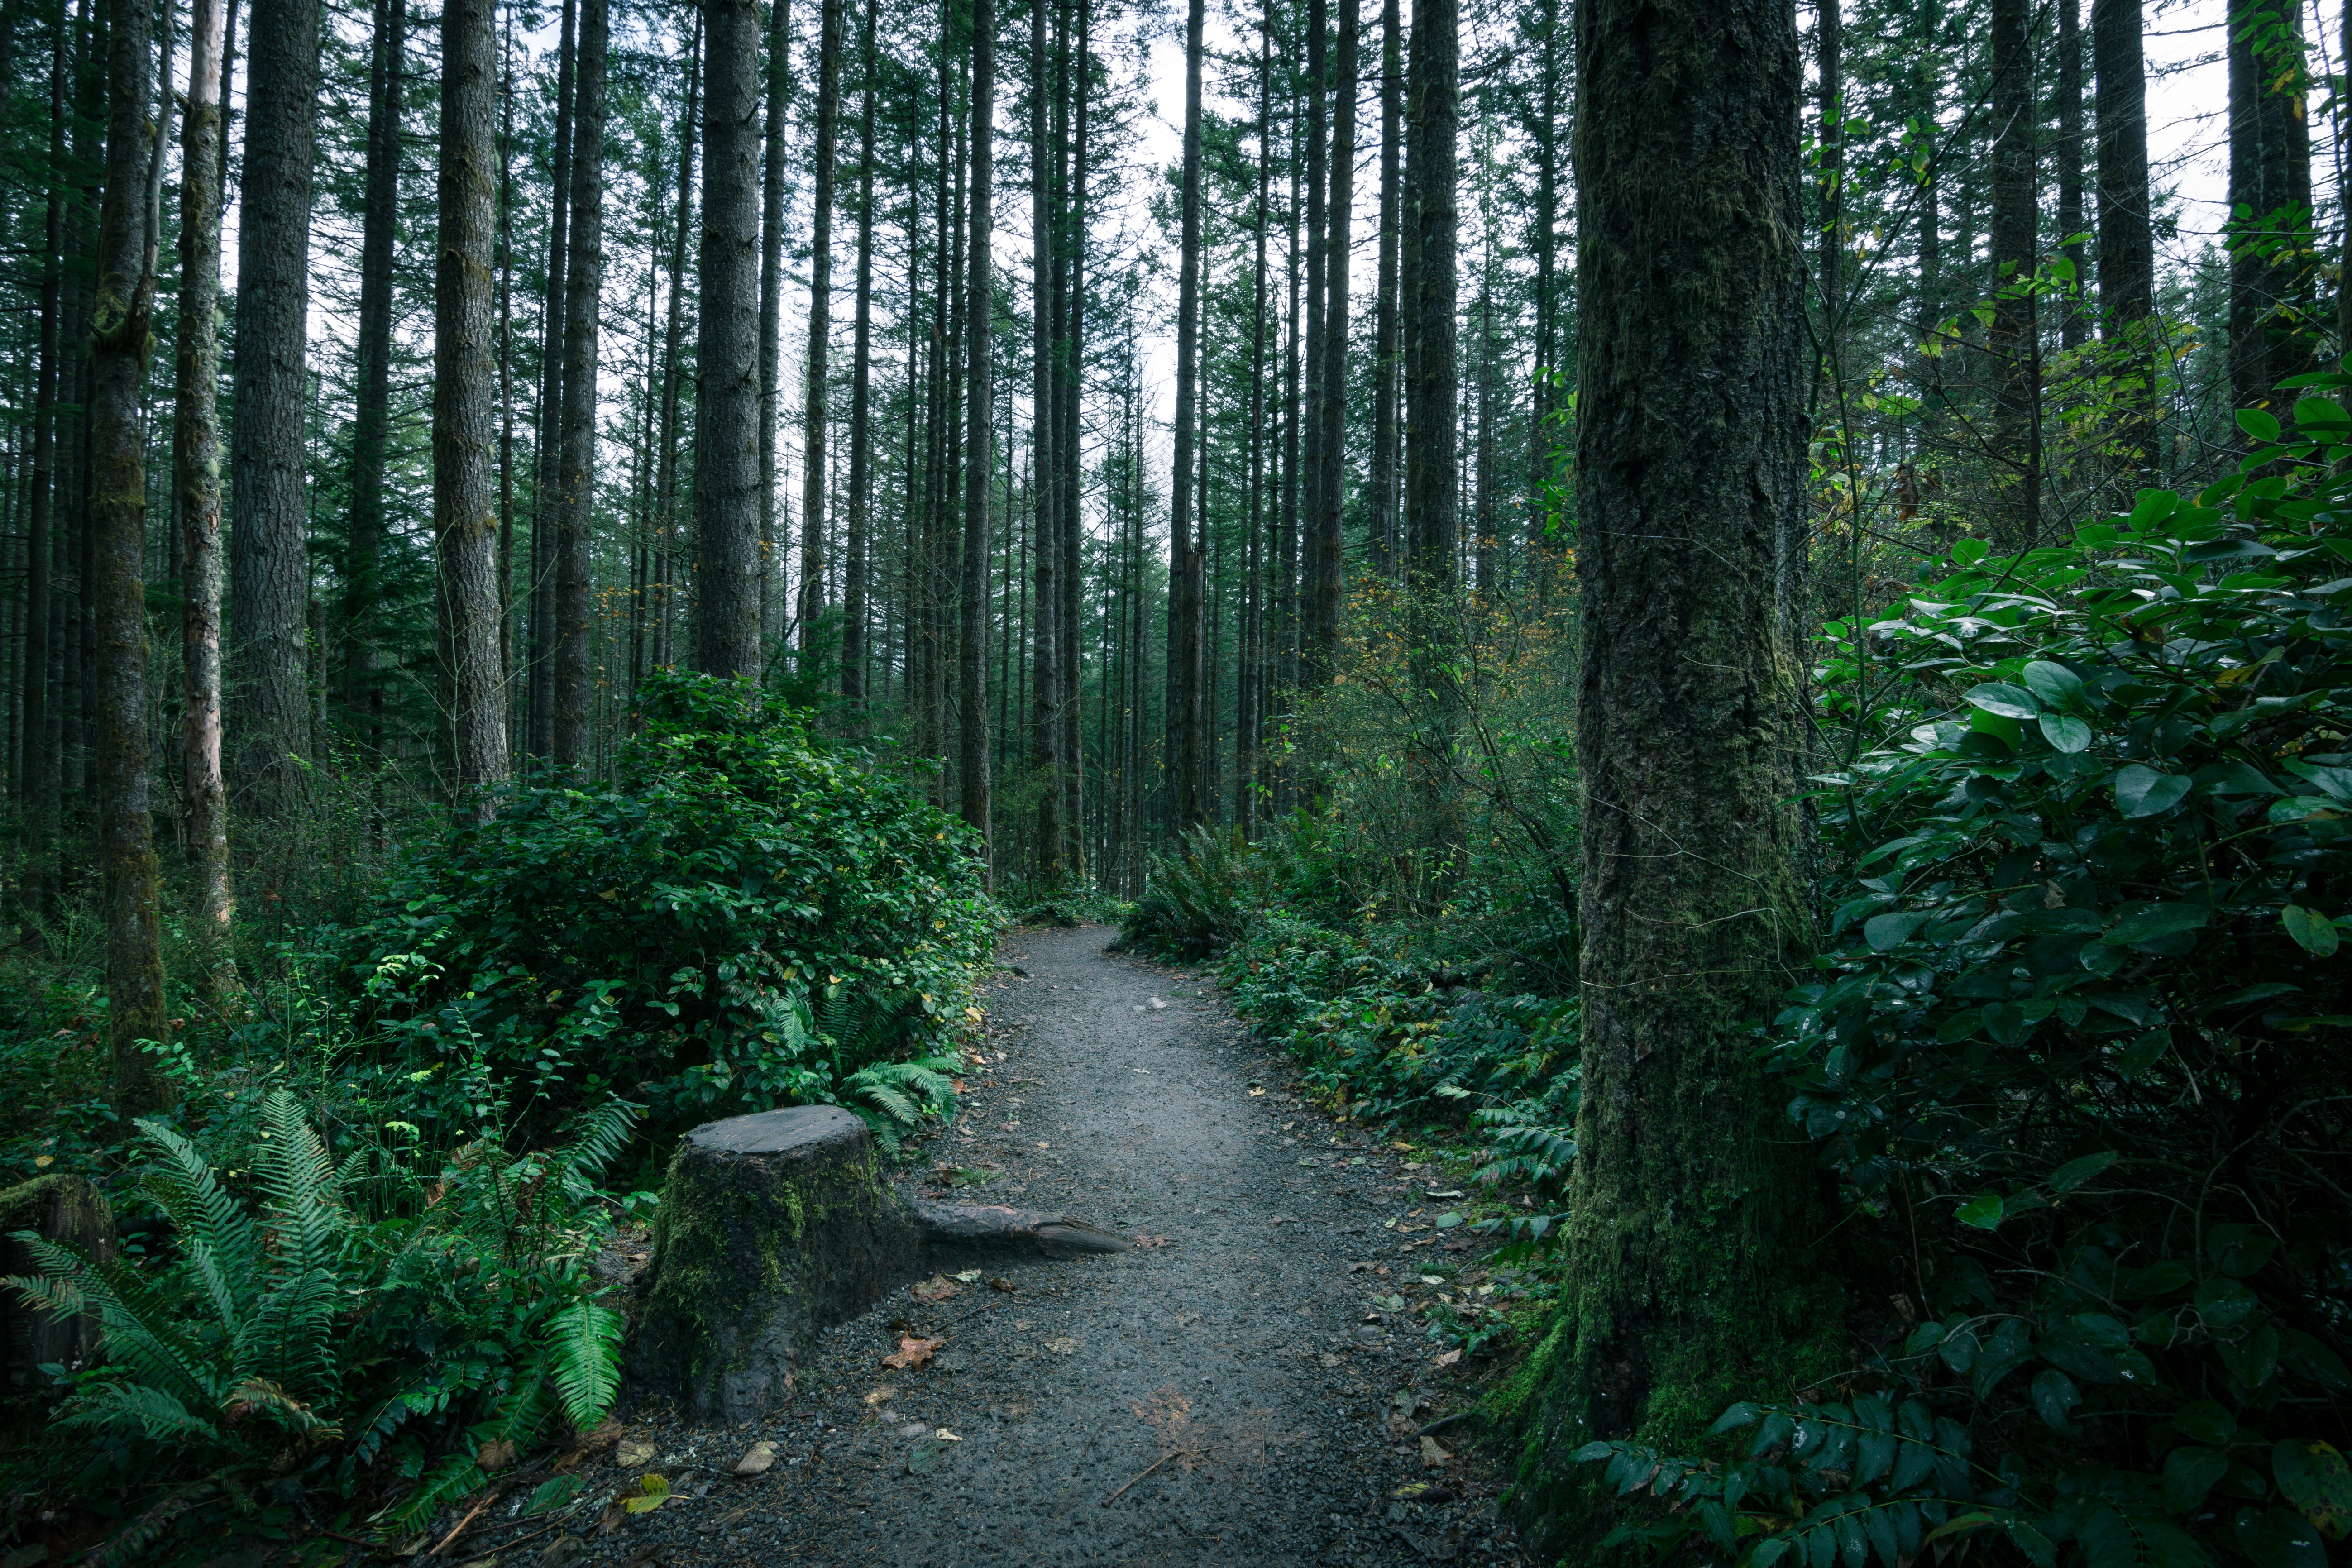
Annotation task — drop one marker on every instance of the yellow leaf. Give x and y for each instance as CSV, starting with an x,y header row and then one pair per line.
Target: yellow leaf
x,y
651,1492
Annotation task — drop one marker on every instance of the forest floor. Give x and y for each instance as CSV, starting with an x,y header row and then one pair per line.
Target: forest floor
x,y
1220,1394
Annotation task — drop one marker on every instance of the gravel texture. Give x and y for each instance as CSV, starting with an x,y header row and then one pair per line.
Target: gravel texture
x,y
1227,1395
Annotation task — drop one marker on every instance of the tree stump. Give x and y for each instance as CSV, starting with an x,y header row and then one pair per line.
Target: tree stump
x,y
770,1227
775,1226
71,1212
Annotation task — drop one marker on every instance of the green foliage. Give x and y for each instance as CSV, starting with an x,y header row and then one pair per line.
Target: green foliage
x,y
681,933
2076,1048
1200,899
355,1326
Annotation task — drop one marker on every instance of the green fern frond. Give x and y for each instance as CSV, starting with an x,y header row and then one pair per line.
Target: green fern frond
x,y
135,1410
886,1099
450,1479
139,1326
584,1343
260,1393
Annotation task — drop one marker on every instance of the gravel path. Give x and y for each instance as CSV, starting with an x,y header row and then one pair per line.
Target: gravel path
x,y
1217,1398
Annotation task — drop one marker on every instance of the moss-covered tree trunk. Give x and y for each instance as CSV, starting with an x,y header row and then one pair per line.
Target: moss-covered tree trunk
x,y
1694,1204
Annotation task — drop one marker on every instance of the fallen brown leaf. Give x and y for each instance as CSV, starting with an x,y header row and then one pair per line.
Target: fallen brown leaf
x,y
1001,1284
634,1452
938,1288
912,1352
1431,1455
881,1396
1449,1358
757,1460
495,1457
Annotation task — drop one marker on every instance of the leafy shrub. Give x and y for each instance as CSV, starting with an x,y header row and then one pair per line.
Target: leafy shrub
x,y
2076,1047
1200,899
683,934
359,1328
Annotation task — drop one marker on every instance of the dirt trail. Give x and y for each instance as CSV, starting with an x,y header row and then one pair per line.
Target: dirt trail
x,y
1227,1381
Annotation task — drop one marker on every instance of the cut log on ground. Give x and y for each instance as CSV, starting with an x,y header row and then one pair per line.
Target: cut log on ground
x,y
775,1226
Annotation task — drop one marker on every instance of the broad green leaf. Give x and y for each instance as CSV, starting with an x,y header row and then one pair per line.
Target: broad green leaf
x,y
2262,426
2191,1472
2142,791
2155,921
1891,931
2321,418
1984,1211
2066,732
2276,1538
2009,701
2206,1422
2253,1360
2053,684
2160,1279
2314,1477
2075,1172
2054,1394
2310,929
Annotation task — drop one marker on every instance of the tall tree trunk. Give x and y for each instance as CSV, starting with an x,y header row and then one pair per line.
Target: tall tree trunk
x,y
772,548
1485,544
121,325
1830,40
1381,479
2127,245
1692,1211
673,315
820,331
195,470
270,587
1432,461
464,501
727,445
979,310
2071,321
2269,248
1331,443
2014,341
362,651
547,491
1250,713
41,783
861,393
505,264
1046,647
1067,446
1311,414
1186,743
583,289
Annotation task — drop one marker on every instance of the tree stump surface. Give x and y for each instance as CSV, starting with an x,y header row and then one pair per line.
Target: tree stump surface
x,y
775,1226
68,1211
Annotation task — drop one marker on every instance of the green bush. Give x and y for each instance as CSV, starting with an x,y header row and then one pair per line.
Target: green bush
x,y
355,1329
741,919
2077,1052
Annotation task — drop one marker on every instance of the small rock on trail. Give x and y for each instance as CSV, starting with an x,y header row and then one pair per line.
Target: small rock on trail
x,y
1216,1396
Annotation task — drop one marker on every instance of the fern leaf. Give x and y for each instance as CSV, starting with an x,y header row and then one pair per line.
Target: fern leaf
x,y
585,1342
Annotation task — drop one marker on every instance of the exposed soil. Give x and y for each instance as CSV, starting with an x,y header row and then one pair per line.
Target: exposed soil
x,y
1223,1396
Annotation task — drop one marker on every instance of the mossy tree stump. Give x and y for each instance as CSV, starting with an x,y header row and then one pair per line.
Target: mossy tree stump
x,y
775,1226
71,1212
771,1227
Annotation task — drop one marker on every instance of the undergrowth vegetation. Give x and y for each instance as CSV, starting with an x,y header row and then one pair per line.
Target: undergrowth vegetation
x,y
363,1265
2072,1052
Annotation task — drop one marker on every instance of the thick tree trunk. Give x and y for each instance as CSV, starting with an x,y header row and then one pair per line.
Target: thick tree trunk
x,y
1691,1208
1382,478
1830,43
1433,460
195,468
819,333
1250,714
2072,320
2271,248
2014,342
1068,454
41,780
666,554
1186,743
269,585
1046,721
584,286
1331,442
727,446
121,322
362,652
978,312
547,491
772,317
855,609
464,501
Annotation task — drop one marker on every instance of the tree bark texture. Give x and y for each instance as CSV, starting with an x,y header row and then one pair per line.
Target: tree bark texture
x,y
1432,476
2014,341
1331,445
772,315
120,336
2072,319
196,471
465,495
40,776
269,585
1046,685
820,331
1691,1208
547,489
363,587
2271,247
727,446
1381,476
979,311
1186,744
572,743
2126,244
861,389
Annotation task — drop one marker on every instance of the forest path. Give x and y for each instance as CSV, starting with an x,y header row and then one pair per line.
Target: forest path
x,y
1222,1393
